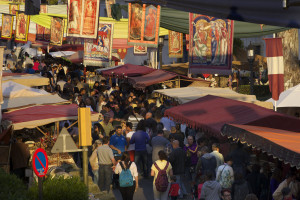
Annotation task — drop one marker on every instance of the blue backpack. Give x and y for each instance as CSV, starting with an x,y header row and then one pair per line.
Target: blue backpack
x,y
125,178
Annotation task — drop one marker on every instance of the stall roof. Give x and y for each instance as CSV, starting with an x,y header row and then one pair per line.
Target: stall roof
x,y
30,80
154,77
127,70
210,113
40,115
284,145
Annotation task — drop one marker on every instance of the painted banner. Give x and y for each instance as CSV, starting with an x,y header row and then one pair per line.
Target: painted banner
x,y
143,24
40,30
13,8
7,26
140,50
83,17
210,45
22,26
98,52
108,4
57,31
175,44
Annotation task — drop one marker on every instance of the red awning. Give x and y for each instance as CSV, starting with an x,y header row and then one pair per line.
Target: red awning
x,y
210,113
281,144
34,116
154,77
127,70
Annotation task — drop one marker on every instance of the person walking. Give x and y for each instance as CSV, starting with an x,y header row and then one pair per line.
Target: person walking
x,y
140,138
240,187
106,161
128,177
158,143
207,162
118,143
225,174
216,152
131,147
191,150
177,159
94,161
162,171
211,189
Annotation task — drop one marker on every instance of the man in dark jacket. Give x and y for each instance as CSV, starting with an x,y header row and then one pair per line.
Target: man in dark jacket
x,y
207,162
177,159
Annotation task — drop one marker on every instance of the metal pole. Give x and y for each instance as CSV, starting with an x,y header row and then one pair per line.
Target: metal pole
x,y
251,78
275,106
85,165
160,56
40,184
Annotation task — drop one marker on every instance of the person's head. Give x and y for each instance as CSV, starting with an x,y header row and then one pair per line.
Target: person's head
x,y
160,126
228,160
128,126
105,140
126,159
162,155
173,129
215,147
286,193
119,130
190,140
251,197
117,108
19,139
290,177
97,144
175,144
160,132
226,194
204,150
173,178
148,115
82,91
79,97
106,118
209,175
88,102
141,126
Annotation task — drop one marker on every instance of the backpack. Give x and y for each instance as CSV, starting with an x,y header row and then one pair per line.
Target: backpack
x,y
125,178
162,182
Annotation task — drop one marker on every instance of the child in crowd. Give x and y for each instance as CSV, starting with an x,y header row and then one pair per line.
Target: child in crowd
x,y
201,182
175,189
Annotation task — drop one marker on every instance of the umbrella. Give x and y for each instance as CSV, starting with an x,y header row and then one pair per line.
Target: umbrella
x,y
288,98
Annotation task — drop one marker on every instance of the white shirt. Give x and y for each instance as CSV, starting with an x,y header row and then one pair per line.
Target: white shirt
x,y
131,147
132,168
225,176
167,123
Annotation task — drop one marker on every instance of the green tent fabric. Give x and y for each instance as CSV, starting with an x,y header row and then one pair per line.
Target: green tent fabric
x,y
177,20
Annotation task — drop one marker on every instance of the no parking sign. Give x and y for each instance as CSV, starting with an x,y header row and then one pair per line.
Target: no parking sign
x,y
40,162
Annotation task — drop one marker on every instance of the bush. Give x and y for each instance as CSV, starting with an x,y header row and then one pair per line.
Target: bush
x,y
58,188
258,90
11,187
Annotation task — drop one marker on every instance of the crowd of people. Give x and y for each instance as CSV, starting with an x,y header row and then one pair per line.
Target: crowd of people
x,y
133,138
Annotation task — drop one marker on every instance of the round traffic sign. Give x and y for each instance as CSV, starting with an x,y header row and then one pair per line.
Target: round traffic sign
x,y
40,162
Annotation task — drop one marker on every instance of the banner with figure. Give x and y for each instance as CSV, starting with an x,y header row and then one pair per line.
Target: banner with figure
x,y
40,30
57,31
143,24
210,44
7,26
13,8
139,50
98,52
83,17
175,44
22,26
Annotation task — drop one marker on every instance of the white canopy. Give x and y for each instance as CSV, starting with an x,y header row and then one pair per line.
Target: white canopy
x,y
30,80
288,98
187,94
12,89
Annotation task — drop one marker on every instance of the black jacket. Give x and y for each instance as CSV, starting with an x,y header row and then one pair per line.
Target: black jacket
x,y
177,159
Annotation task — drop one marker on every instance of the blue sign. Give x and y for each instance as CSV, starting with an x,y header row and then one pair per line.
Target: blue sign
x,y
40,162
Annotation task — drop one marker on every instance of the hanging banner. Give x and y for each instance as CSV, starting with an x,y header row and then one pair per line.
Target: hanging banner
x,y
40,30
175,44
98,52
210,45
139,50
57,31
143,24
83,17
13,8
108,4
122,53
22,26
7,26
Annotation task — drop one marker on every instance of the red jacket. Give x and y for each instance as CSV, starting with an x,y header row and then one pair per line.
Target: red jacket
x,y
174,190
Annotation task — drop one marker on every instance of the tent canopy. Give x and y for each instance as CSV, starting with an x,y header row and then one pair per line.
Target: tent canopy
x,y
127,70
281,144
30,80
288,98
256,11
12,89
40,115
210,113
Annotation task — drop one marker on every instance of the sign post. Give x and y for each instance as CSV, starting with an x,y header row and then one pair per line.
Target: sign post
x,y
40,167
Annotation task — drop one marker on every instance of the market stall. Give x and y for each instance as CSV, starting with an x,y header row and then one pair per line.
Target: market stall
x,y
126,70
210,113
30,80
35,116
281,144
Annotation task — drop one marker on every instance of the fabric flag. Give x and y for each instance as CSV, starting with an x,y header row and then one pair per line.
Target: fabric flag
x,y
274,55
